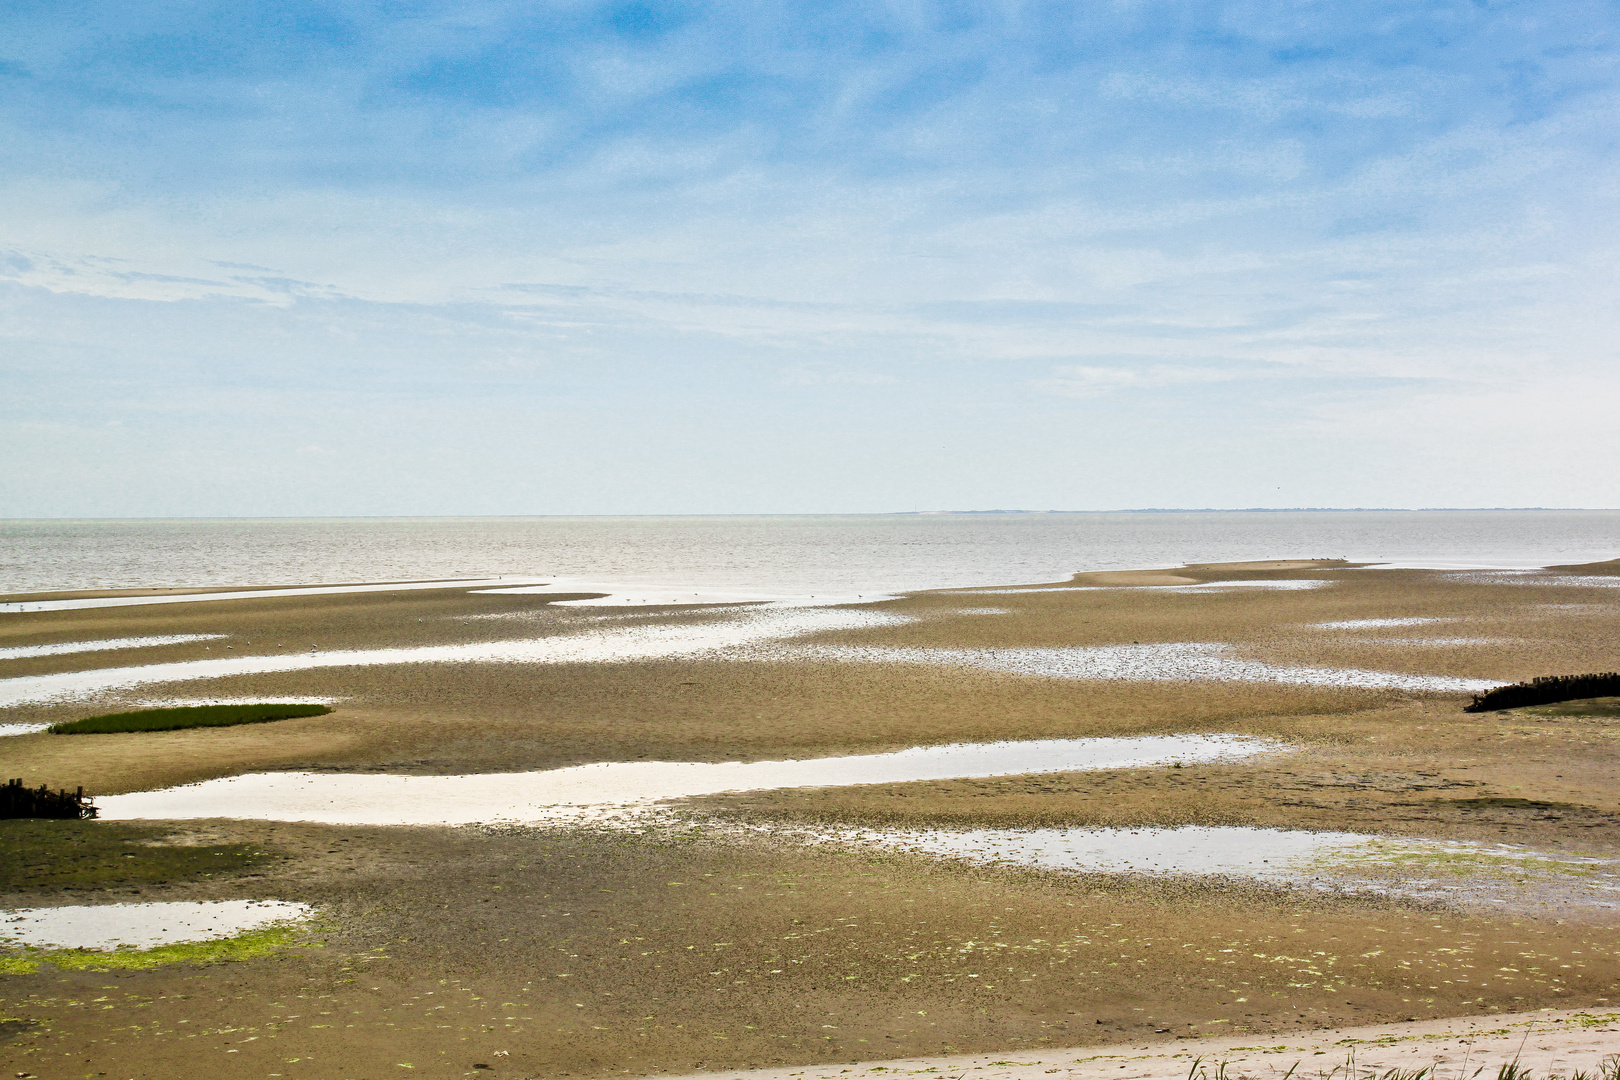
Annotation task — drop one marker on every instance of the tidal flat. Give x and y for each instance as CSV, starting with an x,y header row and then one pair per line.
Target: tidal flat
x,y
711,935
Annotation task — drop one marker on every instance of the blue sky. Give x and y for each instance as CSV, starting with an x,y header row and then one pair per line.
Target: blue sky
x,y
489,257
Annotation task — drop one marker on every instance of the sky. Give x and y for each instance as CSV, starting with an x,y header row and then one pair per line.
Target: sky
x,y
488,257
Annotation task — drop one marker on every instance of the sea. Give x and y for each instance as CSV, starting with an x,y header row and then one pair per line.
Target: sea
x,y
773,555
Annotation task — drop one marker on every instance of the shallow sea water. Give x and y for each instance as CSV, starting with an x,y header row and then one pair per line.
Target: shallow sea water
x,y
619,595
841,555
607,644
17,607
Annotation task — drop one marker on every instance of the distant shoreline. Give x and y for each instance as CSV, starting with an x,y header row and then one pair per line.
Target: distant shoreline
x,y
699,515
1278,510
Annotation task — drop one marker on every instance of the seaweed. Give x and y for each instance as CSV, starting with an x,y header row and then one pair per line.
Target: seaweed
x,y
19,801
1546,690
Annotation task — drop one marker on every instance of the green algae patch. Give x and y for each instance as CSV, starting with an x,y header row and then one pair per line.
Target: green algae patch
x,y
253,945
187,716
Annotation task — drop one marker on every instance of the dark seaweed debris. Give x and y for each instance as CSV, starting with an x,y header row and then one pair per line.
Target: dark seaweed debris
x,y
17,801
1547,690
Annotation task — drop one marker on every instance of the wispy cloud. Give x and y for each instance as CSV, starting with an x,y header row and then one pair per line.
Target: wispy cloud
x,y
597,232
803,376
1088,380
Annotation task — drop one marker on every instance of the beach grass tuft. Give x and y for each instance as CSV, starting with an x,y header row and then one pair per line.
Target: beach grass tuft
x,y
187,716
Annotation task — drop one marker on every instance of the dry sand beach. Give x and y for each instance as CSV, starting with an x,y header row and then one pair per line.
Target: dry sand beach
x,y
1369,854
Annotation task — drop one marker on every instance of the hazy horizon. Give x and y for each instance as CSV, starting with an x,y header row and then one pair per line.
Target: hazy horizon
x,y
868,513
803,555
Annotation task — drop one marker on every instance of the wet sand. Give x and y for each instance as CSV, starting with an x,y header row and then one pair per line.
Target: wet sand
x,y
1554,1043
603,953
716,942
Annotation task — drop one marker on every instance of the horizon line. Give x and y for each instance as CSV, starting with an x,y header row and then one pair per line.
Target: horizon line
x,y
837,513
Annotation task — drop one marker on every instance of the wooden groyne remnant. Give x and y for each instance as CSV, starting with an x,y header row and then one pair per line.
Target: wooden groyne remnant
x,y
17,801
1546,691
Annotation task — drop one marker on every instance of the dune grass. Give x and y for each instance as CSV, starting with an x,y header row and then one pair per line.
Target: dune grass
x,y
189,716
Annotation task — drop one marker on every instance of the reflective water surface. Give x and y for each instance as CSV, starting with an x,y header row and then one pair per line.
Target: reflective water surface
x,y
583,791
840,555
105,927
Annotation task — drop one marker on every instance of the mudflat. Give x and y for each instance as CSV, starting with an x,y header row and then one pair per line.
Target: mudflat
x,y
722,934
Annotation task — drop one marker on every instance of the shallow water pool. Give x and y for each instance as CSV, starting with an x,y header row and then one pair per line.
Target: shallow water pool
x,y
65,648
597,645
1271,854
1189,661
142,926
586,791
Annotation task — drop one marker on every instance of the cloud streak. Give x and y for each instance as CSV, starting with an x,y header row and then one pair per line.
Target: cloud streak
x,y
601,233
